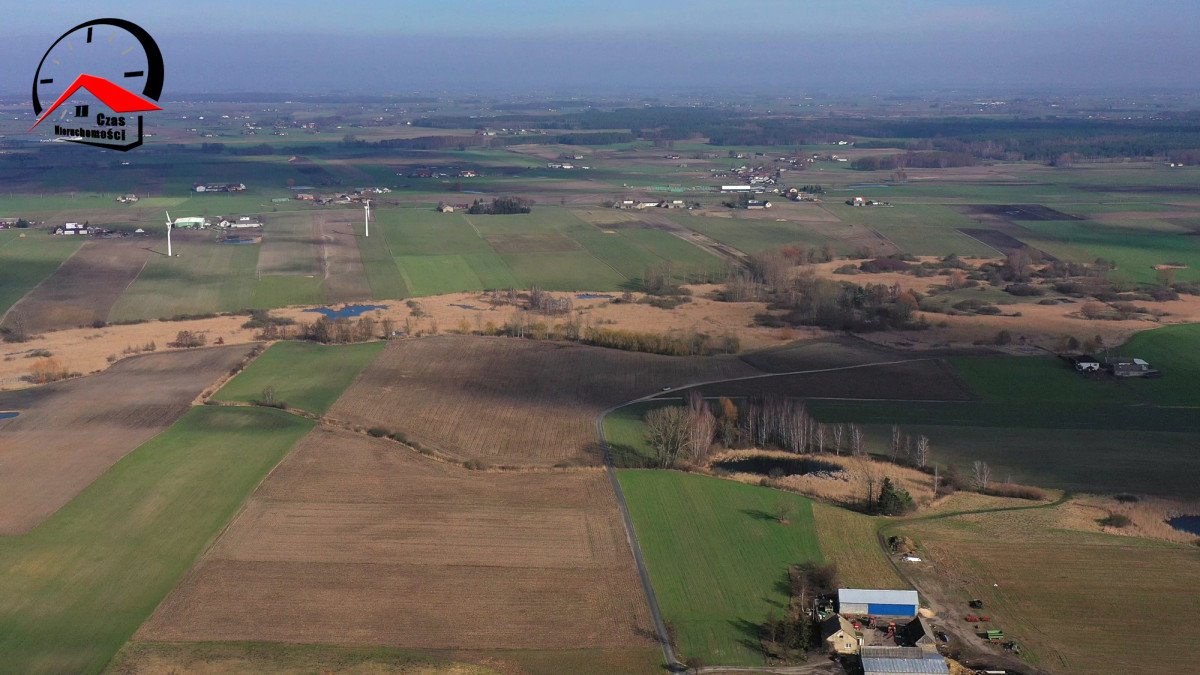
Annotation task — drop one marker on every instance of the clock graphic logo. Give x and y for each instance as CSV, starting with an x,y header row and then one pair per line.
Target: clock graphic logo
x,y
112,63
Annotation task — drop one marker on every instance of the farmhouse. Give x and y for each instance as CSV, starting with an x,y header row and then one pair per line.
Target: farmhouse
x,y
758,204
127,199
1123,366
194,222
243,222
73,228
445,208
839,635
219,187
902,661
1085,363
859,601
305,197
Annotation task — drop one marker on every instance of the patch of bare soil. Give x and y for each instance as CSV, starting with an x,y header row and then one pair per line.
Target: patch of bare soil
x,y
70,432
354,540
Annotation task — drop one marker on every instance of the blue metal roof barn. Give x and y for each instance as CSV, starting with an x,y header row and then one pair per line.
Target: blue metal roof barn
x,y
877,602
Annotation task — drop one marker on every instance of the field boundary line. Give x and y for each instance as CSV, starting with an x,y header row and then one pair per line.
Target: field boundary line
x,y
39,284
998,251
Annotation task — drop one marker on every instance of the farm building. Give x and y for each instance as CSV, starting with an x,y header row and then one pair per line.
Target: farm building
x,y
877,602
758,204
917,633
194,222
839,635
1086,363
73,228
902,661
737,188
243,222
1123,366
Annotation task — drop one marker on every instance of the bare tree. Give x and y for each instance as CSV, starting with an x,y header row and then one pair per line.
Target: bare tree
x,y
795,430
819,436
667,434
921,452
858,445
897,441
839,434
981,475
702,427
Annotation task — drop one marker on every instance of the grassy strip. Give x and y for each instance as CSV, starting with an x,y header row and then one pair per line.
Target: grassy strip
x,y
76,588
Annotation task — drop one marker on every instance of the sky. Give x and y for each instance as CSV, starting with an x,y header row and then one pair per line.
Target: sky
x,y
520,46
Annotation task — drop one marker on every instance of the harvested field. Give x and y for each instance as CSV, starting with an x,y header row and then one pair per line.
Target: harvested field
x,y
1076,601
827,353
289,245
70,432
1017,211
341,261
354,540
920,380
85,287
508,401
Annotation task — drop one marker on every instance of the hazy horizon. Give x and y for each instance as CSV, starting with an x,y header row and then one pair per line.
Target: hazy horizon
x,y
308,47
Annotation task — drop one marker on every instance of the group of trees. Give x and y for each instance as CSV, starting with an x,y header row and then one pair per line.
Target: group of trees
x,y
789,637
915,160
343,330
500,206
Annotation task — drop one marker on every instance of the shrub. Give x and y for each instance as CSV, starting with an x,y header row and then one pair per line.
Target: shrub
x,y
377,432
1127,498
1116,520
1015,491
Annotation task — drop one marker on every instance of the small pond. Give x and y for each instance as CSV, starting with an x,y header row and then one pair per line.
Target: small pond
x,y
347,312
594,296
8,415
238,240
1189,524
777,466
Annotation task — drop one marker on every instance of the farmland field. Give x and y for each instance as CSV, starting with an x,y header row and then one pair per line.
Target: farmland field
x,y
71,432
304,375
530,403
1077,602
1175,350
355,540
25,262
717,556
1006,379
78,586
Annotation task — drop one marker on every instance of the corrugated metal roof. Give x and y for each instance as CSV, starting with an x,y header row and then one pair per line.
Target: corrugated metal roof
x,y
930,666
866,595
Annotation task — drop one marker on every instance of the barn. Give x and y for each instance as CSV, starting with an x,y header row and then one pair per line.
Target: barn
x,y
877,602
902,661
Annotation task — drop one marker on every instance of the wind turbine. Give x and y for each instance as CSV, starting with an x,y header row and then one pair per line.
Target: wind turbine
x,y
168,233
367,218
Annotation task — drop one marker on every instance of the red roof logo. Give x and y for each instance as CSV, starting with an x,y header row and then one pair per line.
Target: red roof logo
x,y
118,99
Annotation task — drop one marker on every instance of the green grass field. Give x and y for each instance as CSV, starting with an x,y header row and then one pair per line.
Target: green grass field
x,y
75,589
1175,350
717,556
1136,250
26,261
203,277
305,375
1049,379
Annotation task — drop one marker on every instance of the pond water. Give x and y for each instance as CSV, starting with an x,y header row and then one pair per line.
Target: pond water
x,y
1190,524
594,296
777,466
347,312
8,415
237,240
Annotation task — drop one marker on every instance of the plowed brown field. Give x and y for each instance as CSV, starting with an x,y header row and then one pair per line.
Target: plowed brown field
x,y
85,287
354,540
511,402
70,432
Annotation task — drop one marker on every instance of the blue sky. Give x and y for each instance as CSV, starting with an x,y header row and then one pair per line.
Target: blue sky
x,y
310,45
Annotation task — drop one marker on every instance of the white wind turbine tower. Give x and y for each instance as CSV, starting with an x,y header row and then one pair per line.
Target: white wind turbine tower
x,y
367,218
168,233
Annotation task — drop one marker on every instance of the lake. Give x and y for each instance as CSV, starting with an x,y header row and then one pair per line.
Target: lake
x,y
347,312
1190,524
